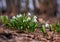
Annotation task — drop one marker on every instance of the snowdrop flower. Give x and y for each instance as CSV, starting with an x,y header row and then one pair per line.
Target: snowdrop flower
x,y
13,17
19,15
24,20
29,14
28,18
46,25
35,17
35,20
21,27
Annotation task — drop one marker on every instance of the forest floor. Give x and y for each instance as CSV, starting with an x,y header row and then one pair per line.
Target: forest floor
x,y
7,35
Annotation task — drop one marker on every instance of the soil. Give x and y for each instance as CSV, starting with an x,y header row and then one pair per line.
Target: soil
x,y
14,36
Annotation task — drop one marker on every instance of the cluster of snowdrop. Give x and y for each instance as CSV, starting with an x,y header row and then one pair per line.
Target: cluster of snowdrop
x,y
27,19
24,21
35,17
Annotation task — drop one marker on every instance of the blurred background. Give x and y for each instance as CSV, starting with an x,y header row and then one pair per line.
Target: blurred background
x,y
35,7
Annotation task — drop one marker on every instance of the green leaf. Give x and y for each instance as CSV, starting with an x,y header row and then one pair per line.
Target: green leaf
x,y
2,19
43,29
51,27
6,20
57,27
8,25
12,23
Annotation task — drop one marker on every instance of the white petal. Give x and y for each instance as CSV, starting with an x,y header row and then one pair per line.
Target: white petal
x,y
35,17
13,17
47,25
29,14
35,20
20,15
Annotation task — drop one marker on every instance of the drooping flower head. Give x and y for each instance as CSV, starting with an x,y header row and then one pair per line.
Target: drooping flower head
x,y
13,17
46,25
35,20
19,15
35,17
29,14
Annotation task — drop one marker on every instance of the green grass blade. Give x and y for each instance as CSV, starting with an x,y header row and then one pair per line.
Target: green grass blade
x,y
43,29
6,21
2,19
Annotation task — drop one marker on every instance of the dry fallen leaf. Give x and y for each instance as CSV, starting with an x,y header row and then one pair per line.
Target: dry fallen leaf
x,y
41,20
58,41
1,30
